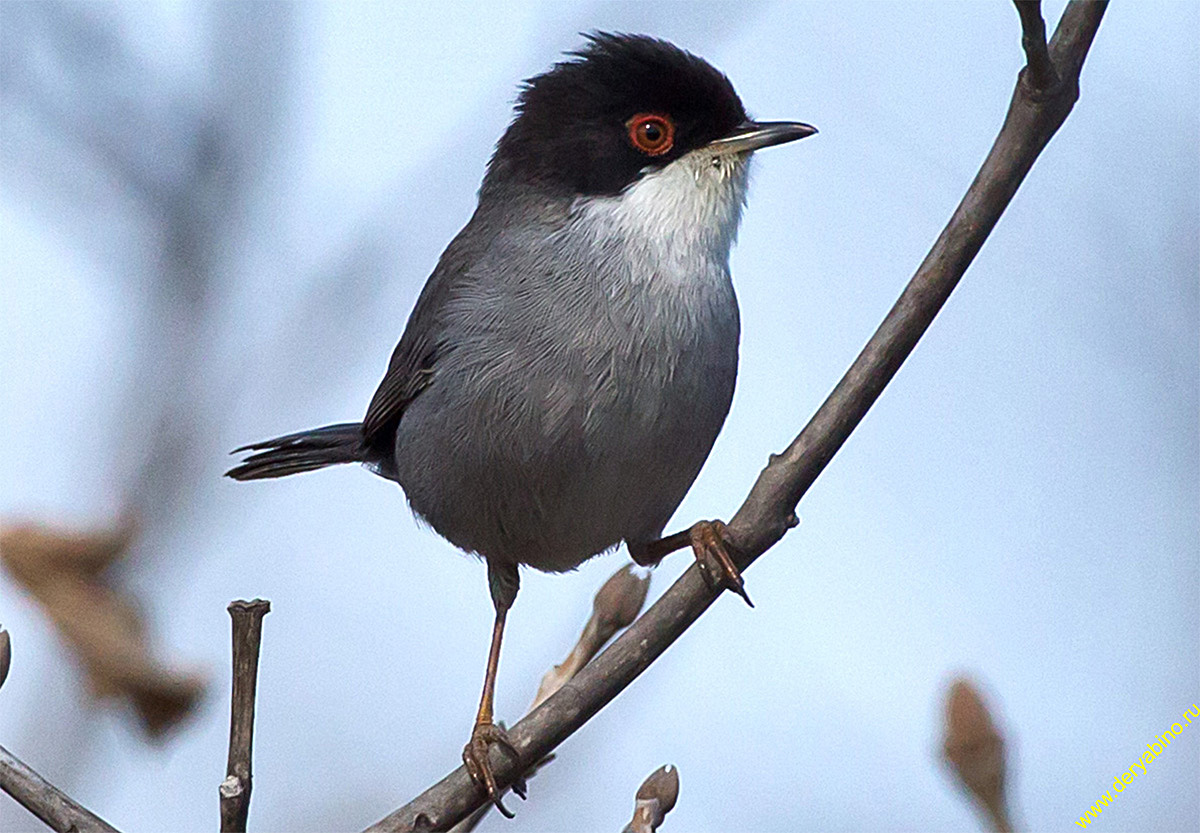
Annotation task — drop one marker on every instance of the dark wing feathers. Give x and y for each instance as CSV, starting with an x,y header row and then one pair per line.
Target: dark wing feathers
x,y
409,372
412,367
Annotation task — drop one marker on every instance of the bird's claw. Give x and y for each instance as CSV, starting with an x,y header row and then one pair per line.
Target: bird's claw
x,y
712,556
475,756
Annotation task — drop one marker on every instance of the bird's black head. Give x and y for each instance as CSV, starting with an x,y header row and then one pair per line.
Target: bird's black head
x,y
621,104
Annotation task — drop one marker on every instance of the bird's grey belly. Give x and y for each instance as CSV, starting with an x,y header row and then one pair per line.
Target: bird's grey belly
x,y
551,453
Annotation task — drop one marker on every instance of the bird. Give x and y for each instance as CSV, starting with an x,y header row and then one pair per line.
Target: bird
x,y
571,359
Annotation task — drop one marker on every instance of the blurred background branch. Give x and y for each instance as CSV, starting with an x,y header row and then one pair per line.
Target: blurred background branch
x,y
182,155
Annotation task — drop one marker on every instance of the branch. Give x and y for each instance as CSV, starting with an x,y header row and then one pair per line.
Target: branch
x,y
247,635
46,801
33,792
1034,115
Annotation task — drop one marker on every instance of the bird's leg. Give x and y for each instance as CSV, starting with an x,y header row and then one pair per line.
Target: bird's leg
x,y
706,538
486,732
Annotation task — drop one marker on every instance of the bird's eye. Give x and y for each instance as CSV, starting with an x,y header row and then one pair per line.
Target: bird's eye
x,y
651,133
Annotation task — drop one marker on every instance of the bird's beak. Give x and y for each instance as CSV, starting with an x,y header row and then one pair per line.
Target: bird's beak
x,y
752,135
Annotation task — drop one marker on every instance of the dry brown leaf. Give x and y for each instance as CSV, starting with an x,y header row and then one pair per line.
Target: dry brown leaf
x,y
65,572
975,750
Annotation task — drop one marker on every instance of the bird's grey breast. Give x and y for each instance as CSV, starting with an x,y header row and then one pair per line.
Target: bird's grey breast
x,y
589,364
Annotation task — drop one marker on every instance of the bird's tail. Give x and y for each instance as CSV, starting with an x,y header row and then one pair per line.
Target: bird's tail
x,y
302,451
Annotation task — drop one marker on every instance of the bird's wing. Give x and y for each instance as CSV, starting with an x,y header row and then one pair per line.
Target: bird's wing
x,y
473,264
413,364
409,372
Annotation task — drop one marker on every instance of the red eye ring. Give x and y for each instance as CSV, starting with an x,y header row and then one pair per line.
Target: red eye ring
x,y
651,133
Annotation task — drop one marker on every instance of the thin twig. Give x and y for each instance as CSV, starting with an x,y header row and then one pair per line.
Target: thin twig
x,y
768,511
46,801
235,789
1042,76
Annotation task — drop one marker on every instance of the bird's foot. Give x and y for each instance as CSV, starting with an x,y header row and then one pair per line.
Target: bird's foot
x,y
712,556
475,756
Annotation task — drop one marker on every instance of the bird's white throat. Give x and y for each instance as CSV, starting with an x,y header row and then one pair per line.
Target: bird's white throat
x,y
680,220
